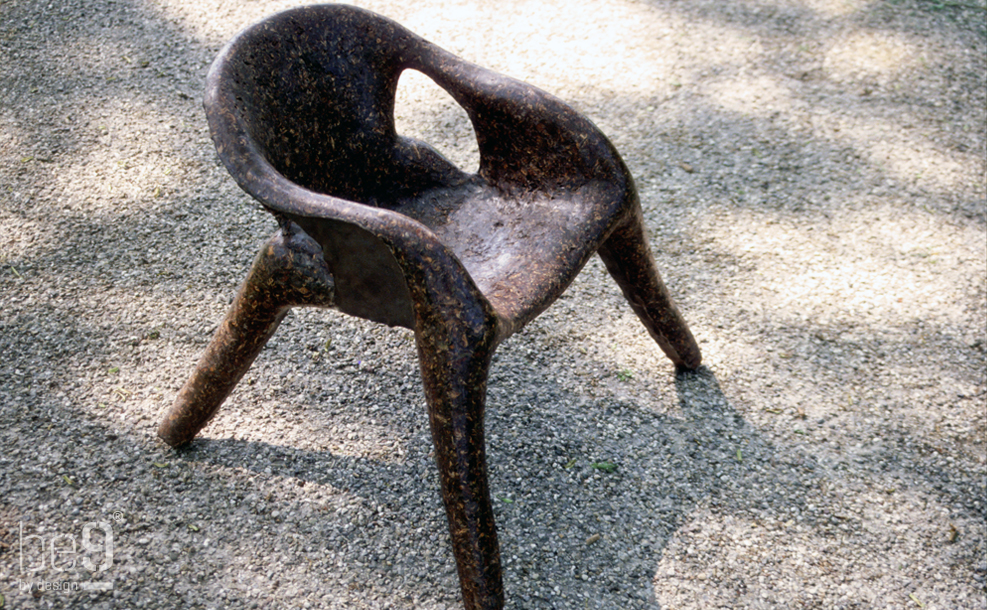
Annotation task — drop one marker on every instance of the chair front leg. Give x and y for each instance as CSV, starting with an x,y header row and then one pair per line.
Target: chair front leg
x,y
627,257
454,371
289,270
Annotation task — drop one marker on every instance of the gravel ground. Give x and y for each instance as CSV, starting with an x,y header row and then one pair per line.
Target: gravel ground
x,y
813,177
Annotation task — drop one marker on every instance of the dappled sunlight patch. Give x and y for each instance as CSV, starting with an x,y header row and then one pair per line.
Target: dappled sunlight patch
x,y
20,237
365,440
900,149
836,8
635,368
215,21
130,162
541,42
249,417
869,54
757,95
912,160
824,552
514,39
870,266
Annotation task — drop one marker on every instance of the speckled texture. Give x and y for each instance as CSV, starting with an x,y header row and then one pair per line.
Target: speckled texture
x,y
301,110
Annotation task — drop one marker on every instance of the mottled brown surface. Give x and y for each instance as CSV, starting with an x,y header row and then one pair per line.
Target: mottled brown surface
x,y
301,110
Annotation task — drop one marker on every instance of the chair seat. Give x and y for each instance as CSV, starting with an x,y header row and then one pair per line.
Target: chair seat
x,y
517,251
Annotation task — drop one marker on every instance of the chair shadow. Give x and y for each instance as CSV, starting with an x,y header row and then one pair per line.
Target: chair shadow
x,y
568,527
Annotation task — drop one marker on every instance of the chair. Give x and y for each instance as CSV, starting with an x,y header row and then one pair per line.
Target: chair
x,y
383,227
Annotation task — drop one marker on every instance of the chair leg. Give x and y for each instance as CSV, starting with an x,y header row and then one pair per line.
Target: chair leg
x,y
454,372
289,270
628,259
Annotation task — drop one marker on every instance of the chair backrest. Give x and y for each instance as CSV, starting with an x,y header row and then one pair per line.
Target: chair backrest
x,y
315,91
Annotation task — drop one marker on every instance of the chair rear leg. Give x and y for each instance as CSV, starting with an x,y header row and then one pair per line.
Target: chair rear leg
x,y
454,371
628,259
289,270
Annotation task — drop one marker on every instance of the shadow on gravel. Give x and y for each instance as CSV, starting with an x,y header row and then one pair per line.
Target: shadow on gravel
x,y
566,522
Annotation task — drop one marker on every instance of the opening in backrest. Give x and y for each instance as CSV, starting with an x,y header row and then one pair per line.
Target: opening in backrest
x,y
424,111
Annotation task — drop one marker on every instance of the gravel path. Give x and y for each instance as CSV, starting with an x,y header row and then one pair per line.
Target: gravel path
x,y
813,177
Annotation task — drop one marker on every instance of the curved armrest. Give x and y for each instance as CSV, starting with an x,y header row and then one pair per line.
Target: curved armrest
x,y
528,139
432,277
